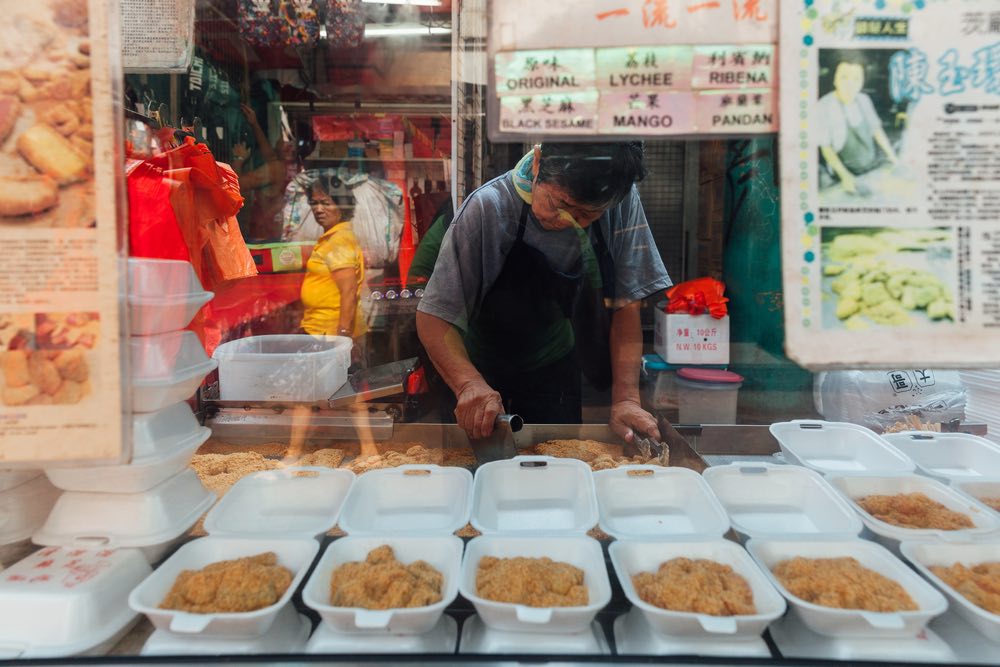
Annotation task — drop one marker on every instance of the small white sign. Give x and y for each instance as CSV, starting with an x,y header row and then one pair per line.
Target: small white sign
x,y
553,70
657,68
555,113
646,112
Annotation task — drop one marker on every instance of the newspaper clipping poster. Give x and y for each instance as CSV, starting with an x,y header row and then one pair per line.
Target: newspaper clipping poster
x,y
890,148
60,385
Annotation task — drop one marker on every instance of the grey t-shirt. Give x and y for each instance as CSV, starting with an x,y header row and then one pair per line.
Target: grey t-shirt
x,y
484,230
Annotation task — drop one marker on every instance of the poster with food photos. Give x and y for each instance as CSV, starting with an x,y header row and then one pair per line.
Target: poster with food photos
x,y
60,187
890,183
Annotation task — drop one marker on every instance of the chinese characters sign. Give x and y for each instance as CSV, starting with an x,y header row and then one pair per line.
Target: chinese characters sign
x,y
673,90
891,183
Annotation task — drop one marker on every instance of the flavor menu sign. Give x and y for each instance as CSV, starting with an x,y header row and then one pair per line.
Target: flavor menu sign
x,y
60,174
891,182
650,68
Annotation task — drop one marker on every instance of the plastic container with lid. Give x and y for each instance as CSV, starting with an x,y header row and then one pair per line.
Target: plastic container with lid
x,y
305,501
166,368
152,521
647,502
414,509
288,634
294,553
630,557
768,501
164,295
536,507
13,478
24,508
924,555
163,444
707,395
60,602
949,457
292,367
833,622
856,487
838,447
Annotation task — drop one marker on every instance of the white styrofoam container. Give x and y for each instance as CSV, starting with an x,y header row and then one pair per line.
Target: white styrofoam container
x,y
855,487
151,521
293,367
838,447
923,555
62,602
417,500
288,634
842,623
296,554
949,456
163,430
630,557
442,638
534,495
648,502
163,295
979,490
303,501
442,552
166,368
24,508
579,551
139,476
766,500
480,639
10,479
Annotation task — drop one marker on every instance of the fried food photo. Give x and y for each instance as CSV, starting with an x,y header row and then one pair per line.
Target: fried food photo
x,y
598,455
534,582
382,582
230,586
842,583
979,584
696,585
914,510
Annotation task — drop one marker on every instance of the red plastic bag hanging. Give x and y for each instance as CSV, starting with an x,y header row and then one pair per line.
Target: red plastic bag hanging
x,y
698,296
153,228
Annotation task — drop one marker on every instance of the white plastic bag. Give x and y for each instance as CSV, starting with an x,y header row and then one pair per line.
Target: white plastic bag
x,y
879,399
378,218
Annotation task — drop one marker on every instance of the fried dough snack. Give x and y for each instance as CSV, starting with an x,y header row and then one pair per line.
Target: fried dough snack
x,y
979,584
599,455
329,458
218,472
415,454
696,585
52,154
382,582
26,195
535,582
914,510
842,583
244,584
993,503
43,377
10,109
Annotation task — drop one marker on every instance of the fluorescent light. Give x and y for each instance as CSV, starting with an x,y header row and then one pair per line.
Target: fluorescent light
x,y
403,29
420,3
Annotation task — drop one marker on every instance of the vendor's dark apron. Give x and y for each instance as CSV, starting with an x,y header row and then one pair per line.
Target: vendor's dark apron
x,y
859,154
529,298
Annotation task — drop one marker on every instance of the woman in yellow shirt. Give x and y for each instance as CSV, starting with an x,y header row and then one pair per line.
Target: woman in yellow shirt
x,y
335,273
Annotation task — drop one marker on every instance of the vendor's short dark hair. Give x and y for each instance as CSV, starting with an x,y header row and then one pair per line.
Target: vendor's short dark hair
x,y
321,185
599,174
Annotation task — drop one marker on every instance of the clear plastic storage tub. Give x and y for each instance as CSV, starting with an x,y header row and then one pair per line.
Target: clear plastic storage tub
x,y
298,368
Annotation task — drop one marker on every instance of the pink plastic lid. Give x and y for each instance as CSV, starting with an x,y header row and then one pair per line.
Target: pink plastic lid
x,y
709,375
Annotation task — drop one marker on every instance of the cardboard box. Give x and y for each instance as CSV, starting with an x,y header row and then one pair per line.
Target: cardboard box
x,y
281,257
691,339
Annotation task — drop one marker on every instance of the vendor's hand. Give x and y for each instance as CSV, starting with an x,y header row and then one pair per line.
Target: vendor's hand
x,y
628,418
240,151
477,409
249,114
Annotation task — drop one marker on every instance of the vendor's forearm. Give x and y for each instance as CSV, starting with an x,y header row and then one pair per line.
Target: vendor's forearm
x,y
626,353
444,346
833,160
348,310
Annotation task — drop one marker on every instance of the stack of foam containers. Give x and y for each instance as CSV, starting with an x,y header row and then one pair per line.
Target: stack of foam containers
x,y
657,514
535,507
111,523
281,511
151,502
415,510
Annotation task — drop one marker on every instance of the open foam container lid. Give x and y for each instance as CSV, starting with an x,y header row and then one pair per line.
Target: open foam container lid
x,y
61,601
418,500
838,447
534,495
949,456
297,501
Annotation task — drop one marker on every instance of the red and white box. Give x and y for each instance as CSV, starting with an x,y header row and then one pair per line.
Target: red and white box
x,y
680,338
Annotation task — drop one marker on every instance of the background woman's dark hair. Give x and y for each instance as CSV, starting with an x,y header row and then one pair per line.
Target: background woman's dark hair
x,y
599,174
